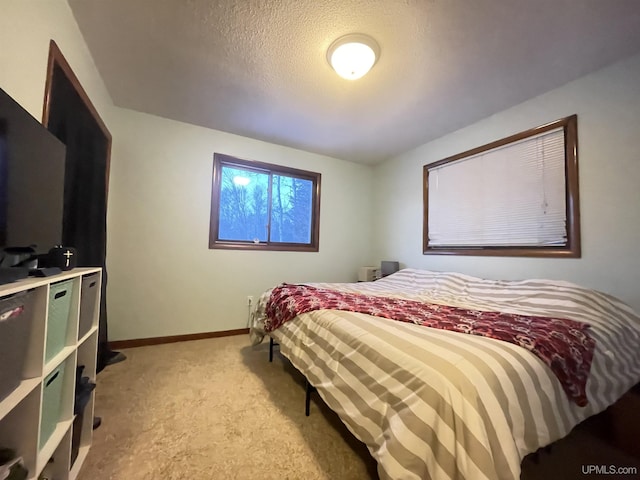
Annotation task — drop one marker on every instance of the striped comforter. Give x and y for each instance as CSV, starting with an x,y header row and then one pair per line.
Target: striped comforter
x,y
438,404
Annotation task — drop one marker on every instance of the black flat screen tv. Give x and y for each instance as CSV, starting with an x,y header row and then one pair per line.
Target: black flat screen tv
x,y
32,164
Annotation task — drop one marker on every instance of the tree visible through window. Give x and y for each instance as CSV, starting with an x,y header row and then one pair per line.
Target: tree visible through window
x,y
257,205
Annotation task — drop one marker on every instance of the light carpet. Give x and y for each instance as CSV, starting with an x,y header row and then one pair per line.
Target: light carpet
x,y
217,409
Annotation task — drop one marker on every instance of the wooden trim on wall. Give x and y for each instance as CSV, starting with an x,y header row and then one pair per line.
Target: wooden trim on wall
x,y
142,342
56,58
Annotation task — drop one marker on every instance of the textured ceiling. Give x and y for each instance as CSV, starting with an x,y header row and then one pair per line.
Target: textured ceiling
x,y
258,68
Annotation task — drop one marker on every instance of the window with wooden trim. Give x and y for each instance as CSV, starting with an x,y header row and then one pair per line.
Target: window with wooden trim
x,y
513,197
260,206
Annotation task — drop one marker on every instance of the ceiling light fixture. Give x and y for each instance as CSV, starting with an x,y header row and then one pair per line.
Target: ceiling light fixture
x,y
353,55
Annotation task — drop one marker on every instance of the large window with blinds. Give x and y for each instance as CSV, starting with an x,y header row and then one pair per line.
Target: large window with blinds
x,y
514,197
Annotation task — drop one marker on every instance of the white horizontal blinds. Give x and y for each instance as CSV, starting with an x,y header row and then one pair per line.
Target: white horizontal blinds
x,y
513,195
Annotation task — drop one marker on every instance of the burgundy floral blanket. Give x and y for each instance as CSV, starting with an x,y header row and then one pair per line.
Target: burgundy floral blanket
x,y
563,345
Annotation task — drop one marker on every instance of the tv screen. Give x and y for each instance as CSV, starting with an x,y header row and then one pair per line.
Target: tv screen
x,y
32,163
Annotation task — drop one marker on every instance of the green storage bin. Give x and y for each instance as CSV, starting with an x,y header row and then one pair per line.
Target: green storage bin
x,y
58,319
51,402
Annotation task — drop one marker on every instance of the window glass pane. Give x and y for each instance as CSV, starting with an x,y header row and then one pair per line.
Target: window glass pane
x,y
243,205
291,202
259,206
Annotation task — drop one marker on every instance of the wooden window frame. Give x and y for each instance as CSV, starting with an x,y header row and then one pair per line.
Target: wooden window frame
x,y
572,249
220,160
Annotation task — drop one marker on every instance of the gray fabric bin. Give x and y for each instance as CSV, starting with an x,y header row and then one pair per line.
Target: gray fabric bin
x,y
88,294
16,313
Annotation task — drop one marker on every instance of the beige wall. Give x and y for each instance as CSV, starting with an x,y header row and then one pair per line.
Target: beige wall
x,y
608,106
163,278
26,27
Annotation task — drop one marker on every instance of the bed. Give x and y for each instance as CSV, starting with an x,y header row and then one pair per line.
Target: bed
x,y
434,403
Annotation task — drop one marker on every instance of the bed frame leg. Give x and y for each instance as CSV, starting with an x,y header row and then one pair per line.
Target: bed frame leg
x,y
270,349
271,345
307,400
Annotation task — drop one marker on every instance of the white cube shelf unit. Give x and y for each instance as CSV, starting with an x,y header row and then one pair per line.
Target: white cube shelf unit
x,y
48,378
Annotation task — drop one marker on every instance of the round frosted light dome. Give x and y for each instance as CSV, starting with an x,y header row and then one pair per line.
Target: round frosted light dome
x,y
352,56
